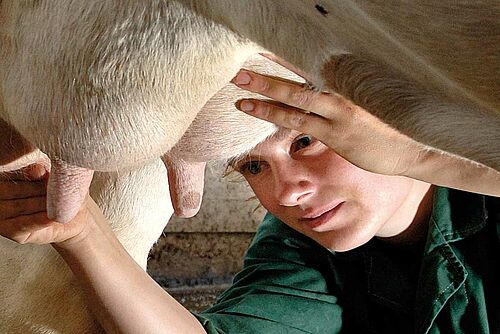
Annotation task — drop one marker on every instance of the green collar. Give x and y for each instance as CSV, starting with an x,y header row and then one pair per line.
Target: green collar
x,y
455,216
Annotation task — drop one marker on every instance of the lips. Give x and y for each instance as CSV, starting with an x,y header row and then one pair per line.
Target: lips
x,y
314,221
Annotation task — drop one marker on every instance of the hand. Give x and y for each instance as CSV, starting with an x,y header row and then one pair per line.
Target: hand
x,y
351,131
359,136
23,216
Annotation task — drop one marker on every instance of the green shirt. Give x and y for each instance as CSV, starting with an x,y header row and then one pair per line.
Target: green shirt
x,y
290,284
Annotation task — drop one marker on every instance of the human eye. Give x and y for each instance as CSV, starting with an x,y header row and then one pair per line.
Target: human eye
x,y
302,141
253,167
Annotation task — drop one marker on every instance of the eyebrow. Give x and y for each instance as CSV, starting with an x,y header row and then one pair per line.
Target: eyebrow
x,y
232,162
280,134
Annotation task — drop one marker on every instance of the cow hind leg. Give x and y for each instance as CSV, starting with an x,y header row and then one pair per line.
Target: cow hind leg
x,y
448,123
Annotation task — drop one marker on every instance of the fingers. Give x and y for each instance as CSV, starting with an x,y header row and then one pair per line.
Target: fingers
x,y
328,117
288,117
23,203
36,172
10,190
24,206
287,92
26,229
29,173
23,216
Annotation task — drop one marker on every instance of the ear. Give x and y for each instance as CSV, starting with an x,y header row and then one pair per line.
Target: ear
x,y
186,180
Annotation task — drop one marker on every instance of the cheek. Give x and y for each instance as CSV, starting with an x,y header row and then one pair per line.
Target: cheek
x,y
373,197
394,189
263,189
384,195
329,168
263,192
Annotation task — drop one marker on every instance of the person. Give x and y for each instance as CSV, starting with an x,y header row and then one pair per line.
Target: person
x,y
360,237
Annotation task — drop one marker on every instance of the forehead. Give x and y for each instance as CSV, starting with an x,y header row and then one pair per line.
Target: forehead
x,y
279,136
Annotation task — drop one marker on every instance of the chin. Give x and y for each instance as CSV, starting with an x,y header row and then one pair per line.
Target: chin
x,y
343,241
343,247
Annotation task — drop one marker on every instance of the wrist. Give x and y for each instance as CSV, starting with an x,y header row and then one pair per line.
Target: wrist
x,y
78,242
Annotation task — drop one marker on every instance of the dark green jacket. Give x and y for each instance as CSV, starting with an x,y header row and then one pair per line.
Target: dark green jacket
x,y
290,284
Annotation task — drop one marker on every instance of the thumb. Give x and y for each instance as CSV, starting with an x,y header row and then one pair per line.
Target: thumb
x,y
35,172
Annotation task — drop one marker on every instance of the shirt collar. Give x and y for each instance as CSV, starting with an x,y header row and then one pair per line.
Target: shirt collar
x,y
455,216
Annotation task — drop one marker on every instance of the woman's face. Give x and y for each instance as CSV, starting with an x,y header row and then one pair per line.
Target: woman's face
x,y
309,187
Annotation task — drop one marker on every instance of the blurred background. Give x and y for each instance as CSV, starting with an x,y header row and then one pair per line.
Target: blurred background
x,y
196,258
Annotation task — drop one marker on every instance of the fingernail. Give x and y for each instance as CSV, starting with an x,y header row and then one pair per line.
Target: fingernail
x,y
242,79
246,106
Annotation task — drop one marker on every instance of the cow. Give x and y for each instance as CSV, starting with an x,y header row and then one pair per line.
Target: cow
x,y
105,83
109,86
39,292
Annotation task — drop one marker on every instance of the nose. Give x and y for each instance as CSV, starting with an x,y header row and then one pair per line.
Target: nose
x,y
292,185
